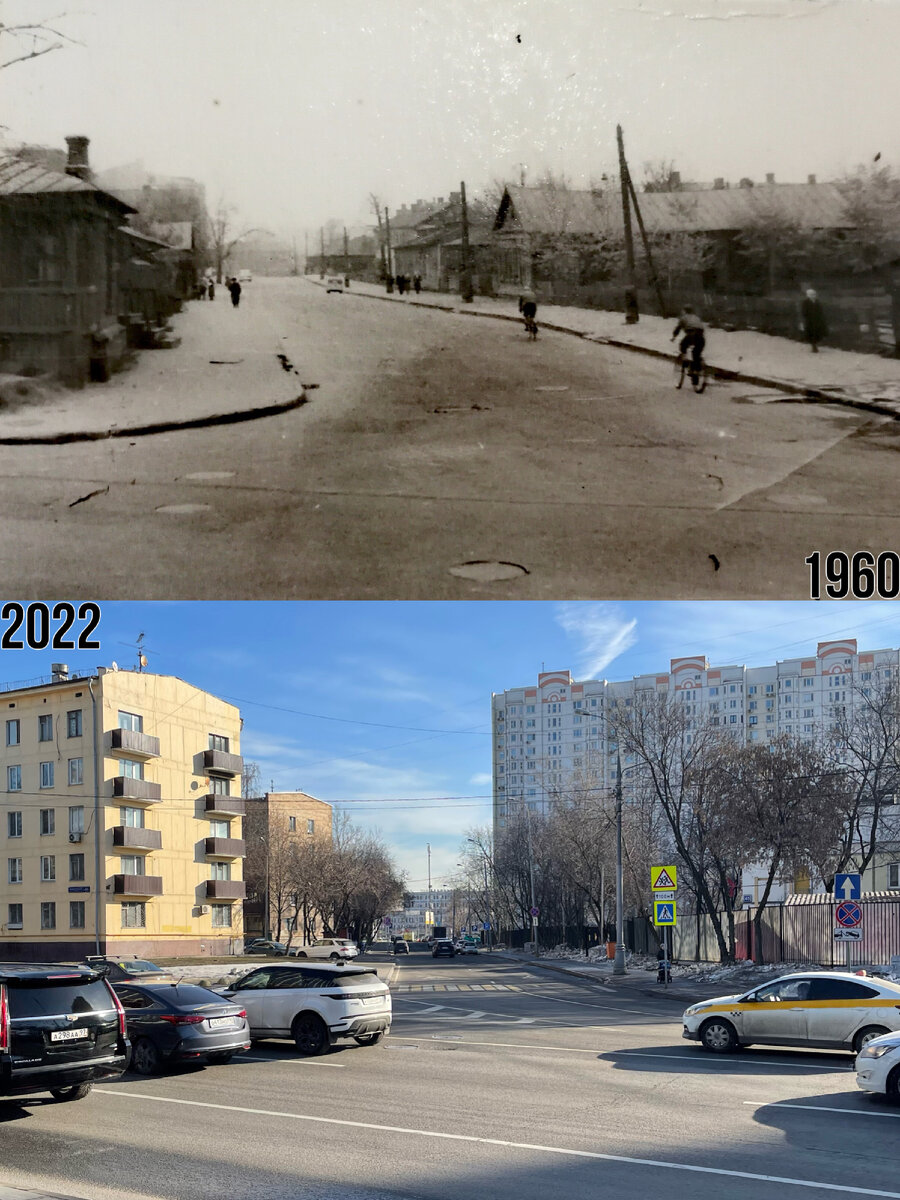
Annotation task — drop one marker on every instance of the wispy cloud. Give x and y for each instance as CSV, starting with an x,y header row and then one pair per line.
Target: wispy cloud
x,y
602,631
481,778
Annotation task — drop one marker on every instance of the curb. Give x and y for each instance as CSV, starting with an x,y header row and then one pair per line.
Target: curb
x,y
805,391
663,994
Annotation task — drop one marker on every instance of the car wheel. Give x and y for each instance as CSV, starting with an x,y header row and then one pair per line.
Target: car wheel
x,y
718,1035
77,1091
220,1057
865,1036
310,1035
145,1058
892,1087
335,957
369,1039
301,954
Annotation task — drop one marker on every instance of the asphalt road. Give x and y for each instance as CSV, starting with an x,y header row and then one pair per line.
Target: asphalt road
x,y
498,1080
434,440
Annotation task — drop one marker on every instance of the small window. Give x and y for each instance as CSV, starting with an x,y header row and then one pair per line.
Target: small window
x,y
218,742
47,774
76,772
14,779
132,818
219,786
840,989
14,870
292,824
76,914
13,733
76,819
132,721
48,914
218,829
48,868
893,874
14,916
310,825
45,727
14,824
220,870
48,822
131,769
132,864
73,723
76,868
221,916
134,915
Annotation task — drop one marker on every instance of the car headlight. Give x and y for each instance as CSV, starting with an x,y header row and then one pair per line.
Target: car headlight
x,y
875,1051
693,1010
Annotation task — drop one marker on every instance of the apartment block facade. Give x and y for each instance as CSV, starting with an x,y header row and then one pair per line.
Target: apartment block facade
x,y
547,735
122,829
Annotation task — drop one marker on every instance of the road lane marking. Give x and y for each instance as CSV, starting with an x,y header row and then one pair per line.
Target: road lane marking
x,y
564,1152
587,1004
855,1112
502,1045
300,1062
745,1062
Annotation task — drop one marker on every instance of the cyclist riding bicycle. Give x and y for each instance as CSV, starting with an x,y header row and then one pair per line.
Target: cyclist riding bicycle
x,y
528,309
694,336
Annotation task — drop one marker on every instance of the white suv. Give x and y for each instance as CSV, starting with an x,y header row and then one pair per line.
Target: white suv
x,y
314,1005
336,949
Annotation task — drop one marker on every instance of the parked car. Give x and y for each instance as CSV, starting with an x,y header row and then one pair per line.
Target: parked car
x,y
265,946
117,969
179,1022
401,946
443,946
334,283
335,949
878,1066
834,1010
314,1005
464,947
245,276
61,1029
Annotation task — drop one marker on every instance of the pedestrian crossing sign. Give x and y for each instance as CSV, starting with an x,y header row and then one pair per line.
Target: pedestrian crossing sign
x,y
663,879
663,912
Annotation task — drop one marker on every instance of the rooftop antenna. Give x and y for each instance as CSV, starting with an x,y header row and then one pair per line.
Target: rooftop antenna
x,y
139,647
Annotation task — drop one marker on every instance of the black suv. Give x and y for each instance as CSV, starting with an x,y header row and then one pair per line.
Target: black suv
x,y
61,1028
443,946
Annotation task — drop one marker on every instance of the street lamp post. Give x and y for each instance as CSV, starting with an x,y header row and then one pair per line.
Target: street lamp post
x,y
619,961
267,920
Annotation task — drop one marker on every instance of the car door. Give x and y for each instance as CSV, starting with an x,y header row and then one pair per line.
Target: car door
x,y
282,1001
839,1007
776,1013
250,992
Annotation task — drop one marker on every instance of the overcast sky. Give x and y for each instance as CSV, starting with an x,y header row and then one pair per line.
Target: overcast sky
x,y
383,709
295,110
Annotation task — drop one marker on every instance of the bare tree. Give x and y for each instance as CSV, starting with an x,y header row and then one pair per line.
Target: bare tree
x,y
31,40
660,175
223,237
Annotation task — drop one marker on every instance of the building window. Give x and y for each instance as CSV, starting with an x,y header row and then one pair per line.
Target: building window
x,y
73,723
132,864
76,819
310,825
221,916
219,787
132,721
76,914
134,915
132,818
218,742
45,727
14,779
48,914
14,870
893,874
48,868
76,771
131,769
13,824
218,829
14,916
13,733
48,822
220,870
47,774
76,867
292,824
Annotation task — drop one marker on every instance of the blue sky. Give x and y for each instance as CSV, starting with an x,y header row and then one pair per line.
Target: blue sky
x,y
384,708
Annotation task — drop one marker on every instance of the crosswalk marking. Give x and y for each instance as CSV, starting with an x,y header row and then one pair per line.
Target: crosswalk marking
x,y
402,988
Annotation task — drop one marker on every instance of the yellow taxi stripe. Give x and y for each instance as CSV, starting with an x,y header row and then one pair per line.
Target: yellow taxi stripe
x,y
784,1005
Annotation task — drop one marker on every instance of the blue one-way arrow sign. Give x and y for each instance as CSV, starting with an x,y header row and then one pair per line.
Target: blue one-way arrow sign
x,y
847,886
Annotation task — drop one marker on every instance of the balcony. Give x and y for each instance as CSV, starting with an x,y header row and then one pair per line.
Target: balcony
x,y
125,788
219,847
225,889
224,806
137,885
220,762
137,839
142,745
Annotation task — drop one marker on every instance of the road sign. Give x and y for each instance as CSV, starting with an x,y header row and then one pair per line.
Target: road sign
x,y
535,911
841,934
669,896
663,879
847,886
387,922
663,912
848,915
486,925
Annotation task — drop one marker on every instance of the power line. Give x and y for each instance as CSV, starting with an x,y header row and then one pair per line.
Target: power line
x,y
297,712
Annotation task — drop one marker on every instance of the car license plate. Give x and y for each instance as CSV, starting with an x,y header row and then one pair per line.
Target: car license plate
x,y
68,1035
221,1022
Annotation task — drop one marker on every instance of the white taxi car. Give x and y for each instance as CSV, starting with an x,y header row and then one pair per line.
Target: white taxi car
x,y
878,1066
833,1010
314,1005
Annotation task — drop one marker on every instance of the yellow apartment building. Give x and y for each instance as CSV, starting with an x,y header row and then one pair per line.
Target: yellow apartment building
x,y
122,831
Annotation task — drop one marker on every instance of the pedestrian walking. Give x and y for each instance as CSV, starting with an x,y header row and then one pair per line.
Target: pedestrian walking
x,y
401,284
212,289
235,289
815,327
417,282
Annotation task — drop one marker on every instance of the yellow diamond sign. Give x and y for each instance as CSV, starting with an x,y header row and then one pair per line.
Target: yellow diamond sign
x,y
663,879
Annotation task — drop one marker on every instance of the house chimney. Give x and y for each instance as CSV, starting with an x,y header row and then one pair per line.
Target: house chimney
x,y
719,184
810,179
78,157
770,178
746,182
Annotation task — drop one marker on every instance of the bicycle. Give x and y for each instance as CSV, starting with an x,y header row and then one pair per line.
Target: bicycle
x,y
695,368
531,327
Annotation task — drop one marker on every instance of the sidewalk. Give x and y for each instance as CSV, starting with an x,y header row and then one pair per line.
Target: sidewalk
x,y
865,381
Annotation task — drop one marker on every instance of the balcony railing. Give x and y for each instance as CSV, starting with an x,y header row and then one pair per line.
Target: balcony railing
x,y
225,889
137,839
140,744
221,847
137,885
220,762
126,788
225,806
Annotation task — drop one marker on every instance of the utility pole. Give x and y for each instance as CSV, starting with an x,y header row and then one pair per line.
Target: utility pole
x,y
631,305
654,278
429,907
346,257
619,961
390,266
465,269
322,259
534,919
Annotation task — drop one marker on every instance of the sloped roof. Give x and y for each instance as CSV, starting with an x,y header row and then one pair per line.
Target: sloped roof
x,y
143,237
177,234
19,178
546,210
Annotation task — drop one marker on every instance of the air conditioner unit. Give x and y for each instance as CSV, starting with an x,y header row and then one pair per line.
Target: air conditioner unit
x,y
204,910
75,837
